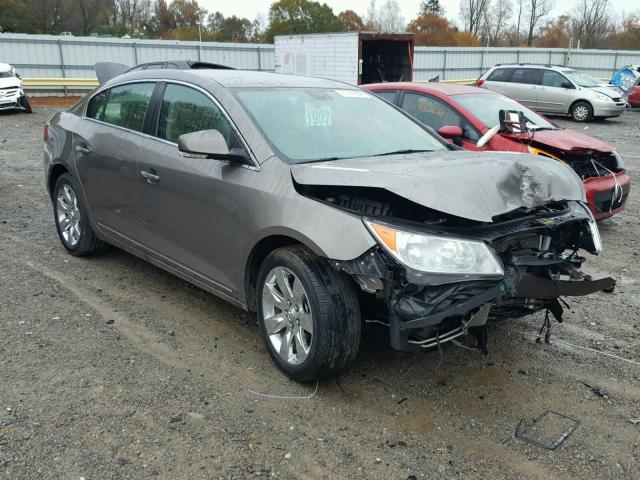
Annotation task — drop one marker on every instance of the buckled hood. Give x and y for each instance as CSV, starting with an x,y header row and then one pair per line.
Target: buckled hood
x,y
472,185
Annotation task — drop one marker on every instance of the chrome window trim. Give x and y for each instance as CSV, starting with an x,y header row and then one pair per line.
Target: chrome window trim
x,y
254,167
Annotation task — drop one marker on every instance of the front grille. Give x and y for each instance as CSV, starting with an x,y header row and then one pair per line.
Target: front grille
x,y
618,99
9,88
597,164
609,200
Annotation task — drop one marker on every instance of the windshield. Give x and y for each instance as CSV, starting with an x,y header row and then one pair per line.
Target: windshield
x,y
6,74
582,79
313,124
486,107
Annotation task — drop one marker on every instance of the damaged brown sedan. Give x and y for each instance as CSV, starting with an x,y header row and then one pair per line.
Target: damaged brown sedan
x,y
317,206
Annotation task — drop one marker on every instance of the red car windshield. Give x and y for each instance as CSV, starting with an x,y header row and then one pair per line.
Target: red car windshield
x,y
486,107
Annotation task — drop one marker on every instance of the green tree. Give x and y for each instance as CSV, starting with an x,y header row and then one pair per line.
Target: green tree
x,y
301,16
433,7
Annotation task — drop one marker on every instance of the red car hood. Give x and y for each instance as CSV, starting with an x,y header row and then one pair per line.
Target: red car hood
x,y
566,140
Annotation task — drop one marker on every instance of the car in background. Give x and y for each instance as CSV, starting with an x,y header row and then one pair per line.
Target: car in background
x,y
556,90
463,114
634,97
317,206
12,96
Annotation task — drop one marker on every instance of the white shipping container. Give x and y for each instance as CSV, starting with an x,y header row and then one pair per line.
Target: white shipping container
x,y
352,57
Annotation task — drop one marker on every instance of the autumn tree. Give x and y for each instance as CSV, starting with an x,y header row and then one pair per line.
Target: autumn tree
x,y
555,33
351,21
300,16
432,29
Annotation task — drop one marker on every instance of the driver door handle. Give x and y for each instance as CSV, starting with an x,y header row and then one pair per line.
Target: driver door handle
x,y
150,176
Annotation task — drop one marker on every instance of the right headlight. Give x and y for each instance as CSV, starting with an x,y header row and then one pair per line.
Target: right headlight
x,y
595,232
602,96
435,254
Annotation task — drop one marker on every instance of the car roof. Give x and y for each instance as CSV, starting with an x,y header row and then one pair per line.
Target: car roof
x,y
530,65
432,87
236,78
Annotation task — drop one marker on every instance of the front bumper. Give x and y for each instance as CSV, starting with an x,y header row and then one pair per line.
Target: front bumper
x,y
607,195
608,108
11,102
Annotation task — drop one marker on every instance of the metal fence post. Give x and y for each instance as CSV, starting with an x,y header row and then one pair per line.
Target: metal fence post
x,y
615,63
259,59
549,63
518,56
199,52
444,64
135,52
64,73
481,62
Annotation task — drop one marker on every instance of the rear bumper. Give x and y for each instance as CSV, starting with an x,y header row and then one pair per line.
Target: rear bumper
x,y
607,195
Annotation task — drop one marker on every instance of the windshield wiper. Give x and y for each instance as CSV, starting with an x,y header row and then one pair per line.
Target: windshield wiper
x,y
400,152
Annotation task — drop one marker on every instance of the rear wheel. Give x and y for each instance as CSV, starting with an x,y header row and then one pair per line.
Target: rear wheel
x,y
72,222
309,315
581,112
25,104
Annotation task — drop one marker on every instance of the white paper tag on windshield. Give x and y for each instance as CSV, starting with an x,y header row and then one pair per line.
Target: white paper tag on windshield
x,y
317,115
352,93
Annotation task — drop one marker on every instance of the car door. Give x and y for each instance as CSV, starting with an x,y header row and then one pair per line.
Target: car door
x,y
556,92
523,86
105,148
189,205
436,114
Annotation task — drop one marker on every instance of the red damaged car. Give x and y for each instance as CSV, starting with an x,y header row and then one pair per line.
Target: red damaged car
x,y
465,114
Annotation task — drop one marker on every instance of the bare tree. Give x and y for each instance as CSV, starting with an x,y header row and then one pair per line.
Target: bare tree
x,y
538,9
591,22
130,15
496,18
520,3
386,18
472,13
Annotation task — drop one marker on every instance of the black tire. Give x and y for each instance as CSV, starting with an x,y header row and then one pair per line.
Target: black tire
x,y
25,104
581,112
335,309
87,243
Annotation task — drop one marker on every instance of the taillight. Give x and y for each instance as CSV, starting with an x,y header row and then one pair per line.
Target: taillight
x,y
45,133
479,82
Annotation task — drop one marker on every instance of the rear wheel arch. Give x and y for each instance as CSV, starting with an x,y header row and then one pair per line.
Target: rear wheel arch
x,y
56,171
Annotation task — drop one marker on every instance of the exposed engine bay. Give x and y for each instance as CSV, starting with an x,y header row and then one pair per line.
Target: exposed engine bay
x,y
538,249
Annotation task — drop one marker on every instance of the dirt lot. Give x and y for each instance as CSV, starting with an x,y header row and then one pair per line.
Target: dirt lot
x,y
112,369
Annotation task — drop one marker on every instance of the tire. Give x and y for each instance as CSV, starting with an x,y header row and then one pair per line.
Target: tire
x,y
72,221
25,104
327,304
581,112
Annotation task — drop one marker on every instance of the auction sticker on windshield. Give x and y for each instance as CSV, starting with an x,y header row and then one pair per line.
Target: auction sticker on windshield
x,y
317,114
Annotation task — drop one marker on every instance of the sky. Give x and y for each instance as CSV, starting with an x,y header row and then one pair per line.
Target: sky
x,y
250,8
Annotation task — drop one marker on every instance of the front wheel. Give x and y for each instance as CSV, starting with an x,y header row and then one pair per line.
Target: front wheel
x,y
25,104
581,112
309,315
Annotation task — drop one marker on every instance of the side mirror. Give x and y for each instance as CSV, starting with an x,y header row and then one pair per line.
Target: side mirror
x,y
450,131
210,144
567,85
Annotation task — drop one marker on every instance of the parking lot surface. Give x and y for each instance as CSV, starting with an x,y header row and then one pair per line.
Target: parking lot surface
x,y
113,369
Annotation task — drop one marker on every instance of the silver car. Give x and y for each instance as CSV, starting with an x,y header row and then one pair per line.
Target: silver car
x,y
555,90
319,207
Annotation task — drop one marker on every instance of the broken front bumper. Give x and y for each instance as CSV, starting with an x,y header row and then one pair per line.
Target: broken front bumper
x,y
607,195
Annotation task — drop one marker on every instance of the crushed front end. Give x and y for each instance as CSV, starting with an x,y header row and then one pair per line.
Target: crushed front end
x,y
430,282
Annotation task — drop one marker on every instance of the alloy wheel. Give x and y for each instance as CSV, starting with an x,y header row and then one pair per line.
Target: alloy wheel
x,y
287,315
68,215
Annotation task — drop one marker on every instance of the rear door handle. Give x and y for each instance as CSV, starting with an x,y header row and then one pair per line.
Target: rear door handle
x,y
82,148
150,176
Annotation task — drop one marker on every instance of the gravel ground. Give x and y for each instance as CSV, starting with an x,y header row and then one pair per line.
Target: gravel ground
x,y
112,369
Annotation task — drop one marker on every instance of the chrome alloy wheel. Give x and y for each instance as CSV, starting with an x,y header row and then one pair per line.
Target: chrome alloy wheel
x,y
286,314
581,112
68,215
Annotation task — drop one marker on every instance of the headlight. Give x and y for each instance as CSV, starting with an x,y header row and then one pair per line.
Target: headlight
x,y
602,96
619,161
595,232
437,255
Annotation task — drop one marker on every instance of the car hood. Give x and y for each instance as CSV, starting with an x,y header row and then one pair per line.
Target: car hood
x,y
565,140
9,82
607,90
472,185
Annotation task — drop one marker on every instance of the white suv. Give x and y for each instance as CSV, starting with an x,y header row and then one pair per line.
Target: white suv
x,y
12,96
555,89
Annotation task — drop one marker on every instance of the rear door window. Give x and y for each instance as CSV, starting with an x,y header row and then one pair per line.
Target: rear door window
x,y
186,110
388,95
529,76
95,109
127,105
500,75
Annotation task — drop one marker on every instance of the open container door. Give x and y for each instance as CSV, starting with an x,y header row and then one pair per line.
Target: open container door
x,y
385,57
